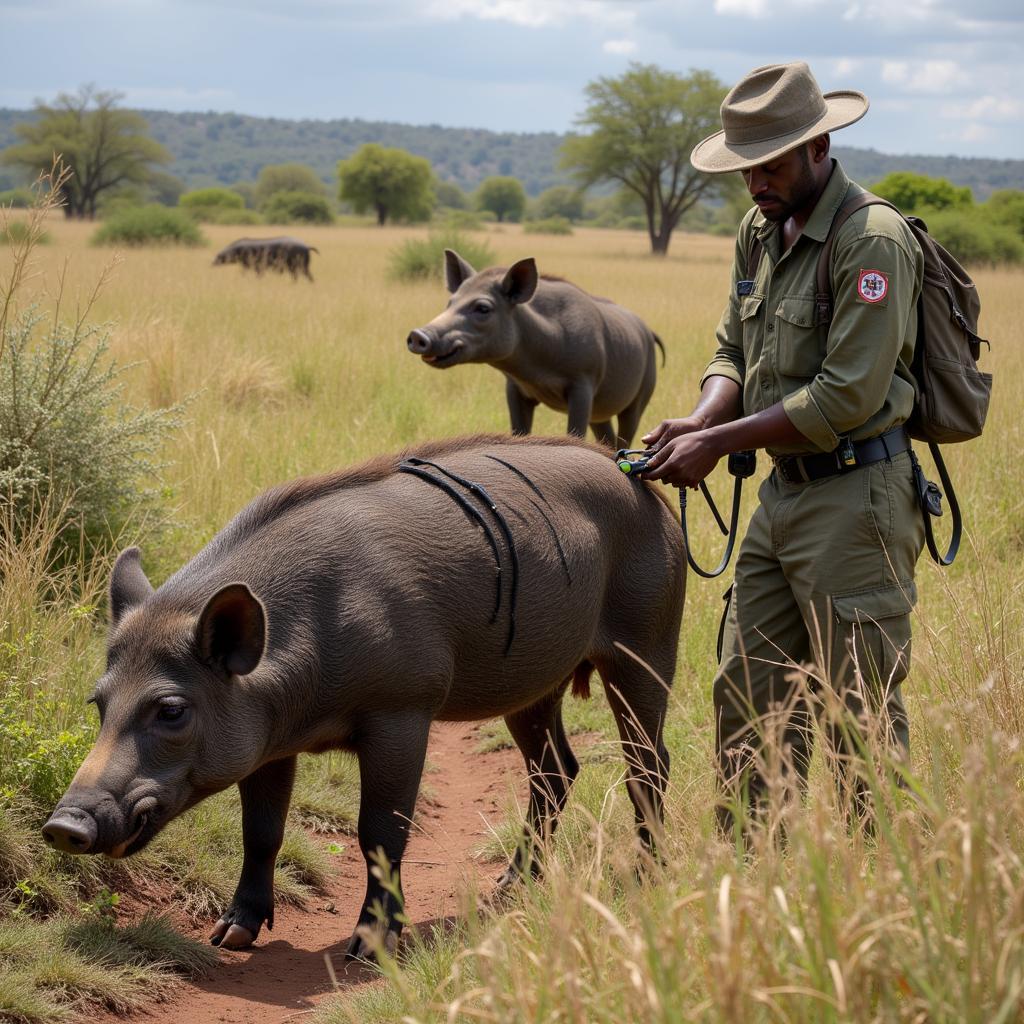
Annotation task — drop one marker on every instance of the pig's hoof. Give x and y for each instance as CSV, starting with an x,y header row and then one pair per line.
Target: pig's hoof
x,y
367,940
232,936
231,933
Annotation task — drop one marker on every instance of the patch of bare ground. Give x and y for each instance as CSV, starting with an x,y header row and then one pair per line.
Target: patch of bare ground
x,y
285,974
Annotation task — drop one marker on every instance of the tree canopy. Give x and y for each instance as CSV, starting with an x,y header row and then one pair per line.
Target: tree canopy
x,y
560,201
503,196
913,192
293,177
391,182
104,147
640,130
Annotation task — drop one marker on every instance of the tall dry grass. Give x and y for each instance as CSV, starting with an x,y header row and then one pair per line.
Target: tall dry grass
x,y
922,923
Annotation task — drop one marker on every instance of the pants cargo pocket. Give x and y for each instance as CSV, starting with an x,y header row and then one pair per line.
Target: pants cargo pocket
x,y
872,643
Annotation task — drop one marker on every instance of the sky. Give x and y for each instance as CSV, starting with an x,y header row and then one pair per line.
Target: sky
x,y
943,76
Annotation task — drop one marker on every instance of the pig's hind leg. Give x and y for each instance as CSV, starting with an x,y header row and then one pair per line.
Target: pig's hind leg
x,y
265,798
639,701
391,749
552,768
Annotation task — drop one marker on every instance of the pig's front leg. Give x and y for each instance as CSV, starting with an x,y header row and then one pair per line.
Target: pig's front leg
x,y
520,408
581,401
391,750
265,798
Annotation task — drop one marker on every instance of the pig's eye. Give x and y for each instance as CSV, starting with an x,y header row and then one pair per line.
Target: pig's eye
x,y
483,308
171,711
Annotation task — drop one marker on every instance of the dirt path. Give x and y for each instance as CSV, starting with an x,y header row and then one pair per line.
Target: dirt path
x,y
285,973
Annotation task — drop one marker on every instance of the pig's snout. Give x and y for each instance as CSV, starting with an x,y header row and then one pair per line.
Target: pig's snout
x,y
419,342
71,830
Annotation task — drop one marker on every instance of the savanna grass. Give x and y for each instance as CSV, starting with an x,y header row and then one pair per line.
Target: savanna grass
x,y
922,922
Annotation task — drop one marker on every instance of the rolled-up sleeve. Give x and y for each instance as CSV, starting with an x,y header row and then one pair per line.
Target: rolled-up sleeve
x,y
728,360
875,283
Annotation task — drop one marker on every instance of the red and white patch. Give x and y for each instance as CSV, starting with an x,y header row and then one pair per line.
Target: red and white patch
x,y
872,285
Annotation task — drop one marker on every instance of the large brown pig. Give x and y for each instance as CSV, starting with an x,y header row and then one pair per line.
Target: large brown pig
x,y
349,611
556,345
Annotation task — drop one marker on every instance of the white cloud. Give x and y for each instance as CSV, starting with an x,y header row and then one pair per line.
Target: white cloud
x,y
531,13
924,76
846,66
619,47
975,132
987,108
744,8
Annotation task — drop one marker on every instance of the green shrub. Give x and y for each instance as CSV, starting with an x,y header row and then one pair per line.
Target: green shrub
x,y
233,216
15,232
548,226
973,238
66,437
423,258
16,198
461,220
1005,207
205,204
149,225
297,208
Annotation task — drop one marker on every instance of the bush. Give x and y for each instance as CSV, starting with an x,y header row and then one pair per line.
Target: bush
x,y
16,198
149,225
461,220
913,192
548,226
972,238
423,258
66,438
207,203
297,208
293,177
560,201
1005,207
234,216
15,232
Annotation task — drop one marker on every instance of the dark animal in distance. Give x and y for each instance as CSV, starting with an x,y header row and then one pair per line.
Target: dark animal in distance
x,y
554,343
350,611
259,254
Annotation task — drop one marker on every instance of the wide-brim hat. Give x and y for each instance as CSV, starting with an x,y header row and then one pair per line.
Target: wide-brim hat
x,y
772,110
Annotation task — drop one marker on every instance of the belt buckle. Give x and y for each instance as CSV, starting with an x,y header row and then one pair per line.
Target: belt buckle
x,y
783,466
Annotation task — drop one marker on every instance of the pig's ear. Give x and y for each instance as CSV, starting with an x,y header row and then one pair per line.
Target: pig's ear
x,y
520,282
128,584
456,270
231,631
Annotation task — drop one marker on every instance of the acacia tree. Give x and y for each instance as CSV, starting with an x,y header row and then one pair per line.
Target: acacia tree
x,y
391,182
103,146
642,127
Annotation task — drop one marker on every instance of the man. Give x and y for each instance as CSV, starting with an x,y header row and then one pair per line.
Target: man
x,y
824,582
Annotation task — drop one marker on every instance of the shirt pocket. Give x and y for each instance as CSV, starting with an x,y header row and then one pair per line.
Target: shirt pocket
x,y
750,321
800,347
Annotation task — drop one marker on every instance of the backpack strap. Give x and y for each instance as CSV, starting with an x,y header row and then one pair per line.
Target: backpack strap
x,y
754,256
823,285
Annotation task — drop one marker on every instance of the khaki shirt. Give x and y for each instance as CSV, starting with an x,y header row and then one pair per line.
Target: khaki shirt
x,y
850,377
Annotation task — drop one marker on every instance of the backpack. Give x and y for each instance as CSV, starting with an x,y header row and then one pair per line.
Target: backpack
x,y
952,394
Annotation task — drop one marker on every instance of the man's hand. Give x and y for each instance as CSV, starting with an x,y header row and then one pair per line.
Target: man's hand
x,y
685,459
666,430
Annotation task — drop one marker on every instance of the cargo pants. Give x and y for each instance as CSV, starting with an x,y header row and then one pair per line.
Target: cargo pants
x,y
820,608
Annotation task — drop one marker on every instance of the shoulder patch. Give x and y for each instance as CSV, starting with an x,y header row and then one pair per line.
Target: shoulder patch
x,y
872,286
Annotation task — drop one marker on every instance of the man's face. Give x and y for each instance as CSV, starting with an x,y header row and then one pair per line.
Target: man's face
x,y
783,186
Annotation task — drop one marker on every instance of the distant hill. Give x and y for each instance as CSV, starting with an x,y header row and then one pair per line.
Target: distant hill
x,y
224,148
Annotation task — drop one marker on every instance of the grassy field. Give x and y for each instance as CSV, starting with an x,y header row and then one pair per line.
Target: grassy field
x,y
925,922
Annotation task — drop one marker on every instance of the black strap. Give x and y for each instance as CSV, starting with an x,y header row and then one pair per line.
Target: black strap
x,y
730,531
954,512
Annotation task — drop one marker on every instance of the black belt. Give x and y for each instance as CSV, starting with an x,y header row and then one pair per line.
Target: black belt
x,y
801,469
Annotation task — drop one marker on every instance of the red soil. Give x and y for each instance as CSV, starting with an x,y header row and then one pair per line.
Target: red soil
x,y
285,974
